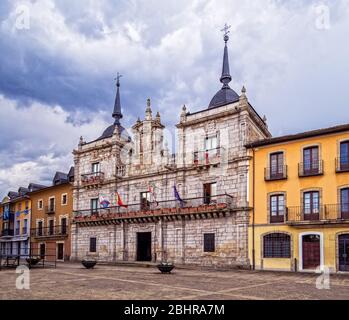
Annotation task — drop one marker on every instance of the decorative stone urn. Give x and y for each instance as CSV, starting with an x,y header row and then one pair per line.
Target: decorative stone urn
x,y
165,267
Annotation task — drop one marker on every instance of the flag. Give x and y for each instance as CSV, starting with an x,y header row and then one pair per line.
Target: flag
x,y
104,202
18,214
152,193
178,197
119,201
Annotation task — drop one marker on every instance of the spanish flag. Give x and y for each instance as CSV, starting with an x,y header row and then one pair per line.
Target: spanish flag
x,y
119,201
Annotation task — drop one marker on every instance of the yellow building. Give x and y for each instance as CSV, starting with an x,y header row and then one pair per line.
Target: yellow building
x,y
16,222
299,191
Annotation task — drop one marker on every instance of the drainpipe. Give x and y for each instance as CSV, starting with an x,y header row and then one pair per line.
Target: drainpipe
x,y
253,211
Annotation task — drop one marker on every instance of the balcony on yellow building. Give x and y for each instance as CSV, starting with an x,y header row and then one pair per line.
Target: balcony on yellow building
x,y
342,164
275,173
324,214
311,168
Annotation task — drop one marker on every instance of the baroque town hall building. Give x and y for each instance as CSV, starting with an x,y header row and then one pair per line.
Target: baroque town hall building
x,y
135,201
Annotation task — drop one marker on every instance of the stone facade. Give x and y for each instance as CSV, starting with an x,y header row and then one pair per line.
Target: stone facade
x,y
132,167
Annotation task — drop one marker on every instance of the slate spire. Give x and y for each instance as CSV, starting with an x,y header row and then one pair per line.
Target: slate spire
x,y
117,115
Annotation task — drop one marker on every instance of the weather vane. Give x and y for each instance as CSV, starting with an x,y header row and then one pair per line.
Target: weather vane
x,y
226,32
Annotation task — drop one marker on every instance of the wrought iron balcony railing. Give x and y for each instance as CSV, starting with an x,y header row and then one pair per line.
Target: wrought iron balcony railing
x,y
334,212
191,205
208,157
8,216
50,210
93,178
7,233
54,231
121,171
342,164
313,168
275,173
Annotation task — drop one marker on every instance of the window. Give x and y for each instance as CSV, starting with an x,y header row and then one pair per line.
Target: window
x,y
211,145
311,163
51,205
64,225
94,205
277,208
26,205
51,227
210,193
96,167
277,245
64,199
209,242
19,206
145,200
93,244
311,205
40,204
344,155
40,228
18,227
25,226
345,203
276,165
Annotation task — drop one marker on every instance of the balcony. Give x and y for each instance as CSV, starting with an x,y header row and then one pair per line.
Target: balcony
x,y
8,216
92,179
325,214
193,206
275,173
342,165
120,171
309,169
7,233
208,157
50,210
56,232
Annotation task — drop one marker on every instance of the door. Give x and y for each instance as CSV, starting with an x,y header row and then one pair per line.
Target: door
x,y
42,251
343,254
311,251
277,165
60,251
144,246
345,203
311,206
145,200
210,193
311,161
64,226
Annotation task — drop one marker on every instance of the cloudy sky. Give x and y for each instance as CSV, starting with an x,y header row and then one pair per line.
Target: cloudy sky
x,y
59,58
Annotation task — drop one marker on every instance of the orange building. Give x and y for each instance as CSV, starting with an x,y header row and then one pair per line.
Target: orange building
x,y
51,216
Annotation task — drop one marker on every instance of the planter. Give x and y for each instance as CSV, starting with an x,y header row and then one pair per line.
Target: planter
x,y
33,261
165,267
166,210
173,210
89,264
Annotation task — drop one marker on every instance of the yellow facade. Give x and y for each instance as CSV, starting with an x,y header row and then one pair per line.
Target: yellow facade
x,y
22,211
296,190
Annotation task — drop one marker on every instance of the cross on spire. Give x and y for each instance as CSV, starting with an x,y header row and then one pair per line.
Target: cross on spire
x,y
118,77
226,32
